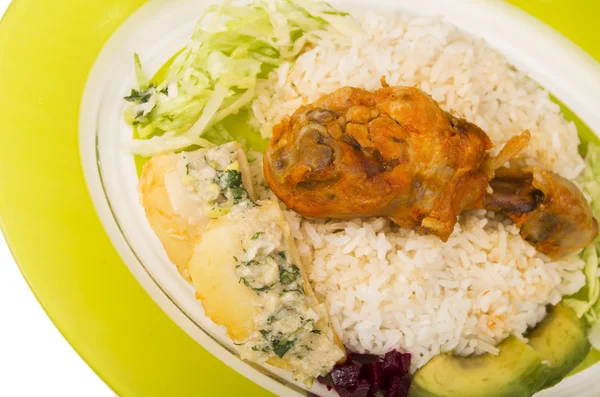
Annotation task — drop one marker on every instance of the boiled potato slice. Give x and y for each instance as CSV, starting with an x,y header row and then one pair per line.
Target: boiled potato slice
x,y
212,270
175,219
230,302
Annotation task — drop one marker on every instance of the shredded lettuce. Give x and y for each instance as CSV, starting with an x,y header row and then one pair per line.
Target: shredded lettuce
x,y
588,304
594,336
166,143
140,76
215,75
584,305
591,177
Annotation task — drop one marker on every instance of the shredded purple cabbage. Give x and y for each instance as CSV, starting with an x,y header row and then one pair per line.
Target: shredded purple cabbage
x,y
365,375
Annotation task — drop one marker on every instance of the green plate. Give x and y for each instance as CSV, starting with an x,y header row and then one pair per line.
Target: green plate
x,y
46,52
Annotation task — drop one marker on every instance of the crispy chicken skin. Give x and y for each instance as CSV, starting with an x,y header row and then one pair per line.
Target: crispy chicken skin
x,y
392,152
551,211
395,153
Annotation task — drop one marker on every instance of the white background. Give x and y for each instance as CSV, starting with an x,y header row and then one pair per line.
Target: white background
x,y
35,360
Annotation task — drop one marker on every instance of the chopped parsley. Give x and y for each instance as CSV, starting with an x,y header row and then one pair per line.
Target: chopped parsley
x,y
230,179
282,347
252,204
281,254
238,194
316,331
299,290
264,332
260,349
141,96
256,289
288,275
257,235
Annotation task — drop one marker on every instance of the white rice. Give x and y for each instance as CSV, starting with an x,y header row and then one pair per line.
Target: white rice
x,y
389,288
462,73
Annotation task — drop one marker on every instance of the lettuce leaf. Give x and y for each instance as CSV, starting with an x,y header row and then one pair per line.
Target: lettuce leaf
x,y
594,336
591,177
588,306
215,75
584,305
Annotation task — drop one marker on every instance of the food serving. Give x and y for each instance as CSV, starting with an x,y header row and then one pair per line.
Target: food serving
x,y
395,153
381,203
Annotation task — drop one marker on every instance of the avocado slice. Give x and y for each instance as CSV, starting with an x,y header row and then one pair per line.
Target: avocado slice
x,y
517,371
561,339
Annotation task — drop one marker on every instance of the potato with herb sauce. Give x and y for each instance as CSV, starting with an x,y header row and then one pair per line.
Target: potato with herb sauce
x,y
250,279
182,192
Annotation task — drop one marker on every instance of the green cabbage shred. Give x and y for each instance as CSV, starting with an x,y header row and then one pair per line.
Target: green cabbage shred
x,y
588,306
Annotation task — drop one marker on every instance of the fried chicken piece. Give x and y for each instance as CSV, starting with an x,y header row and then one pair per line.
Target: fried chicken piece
x,y
392,152
550,210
